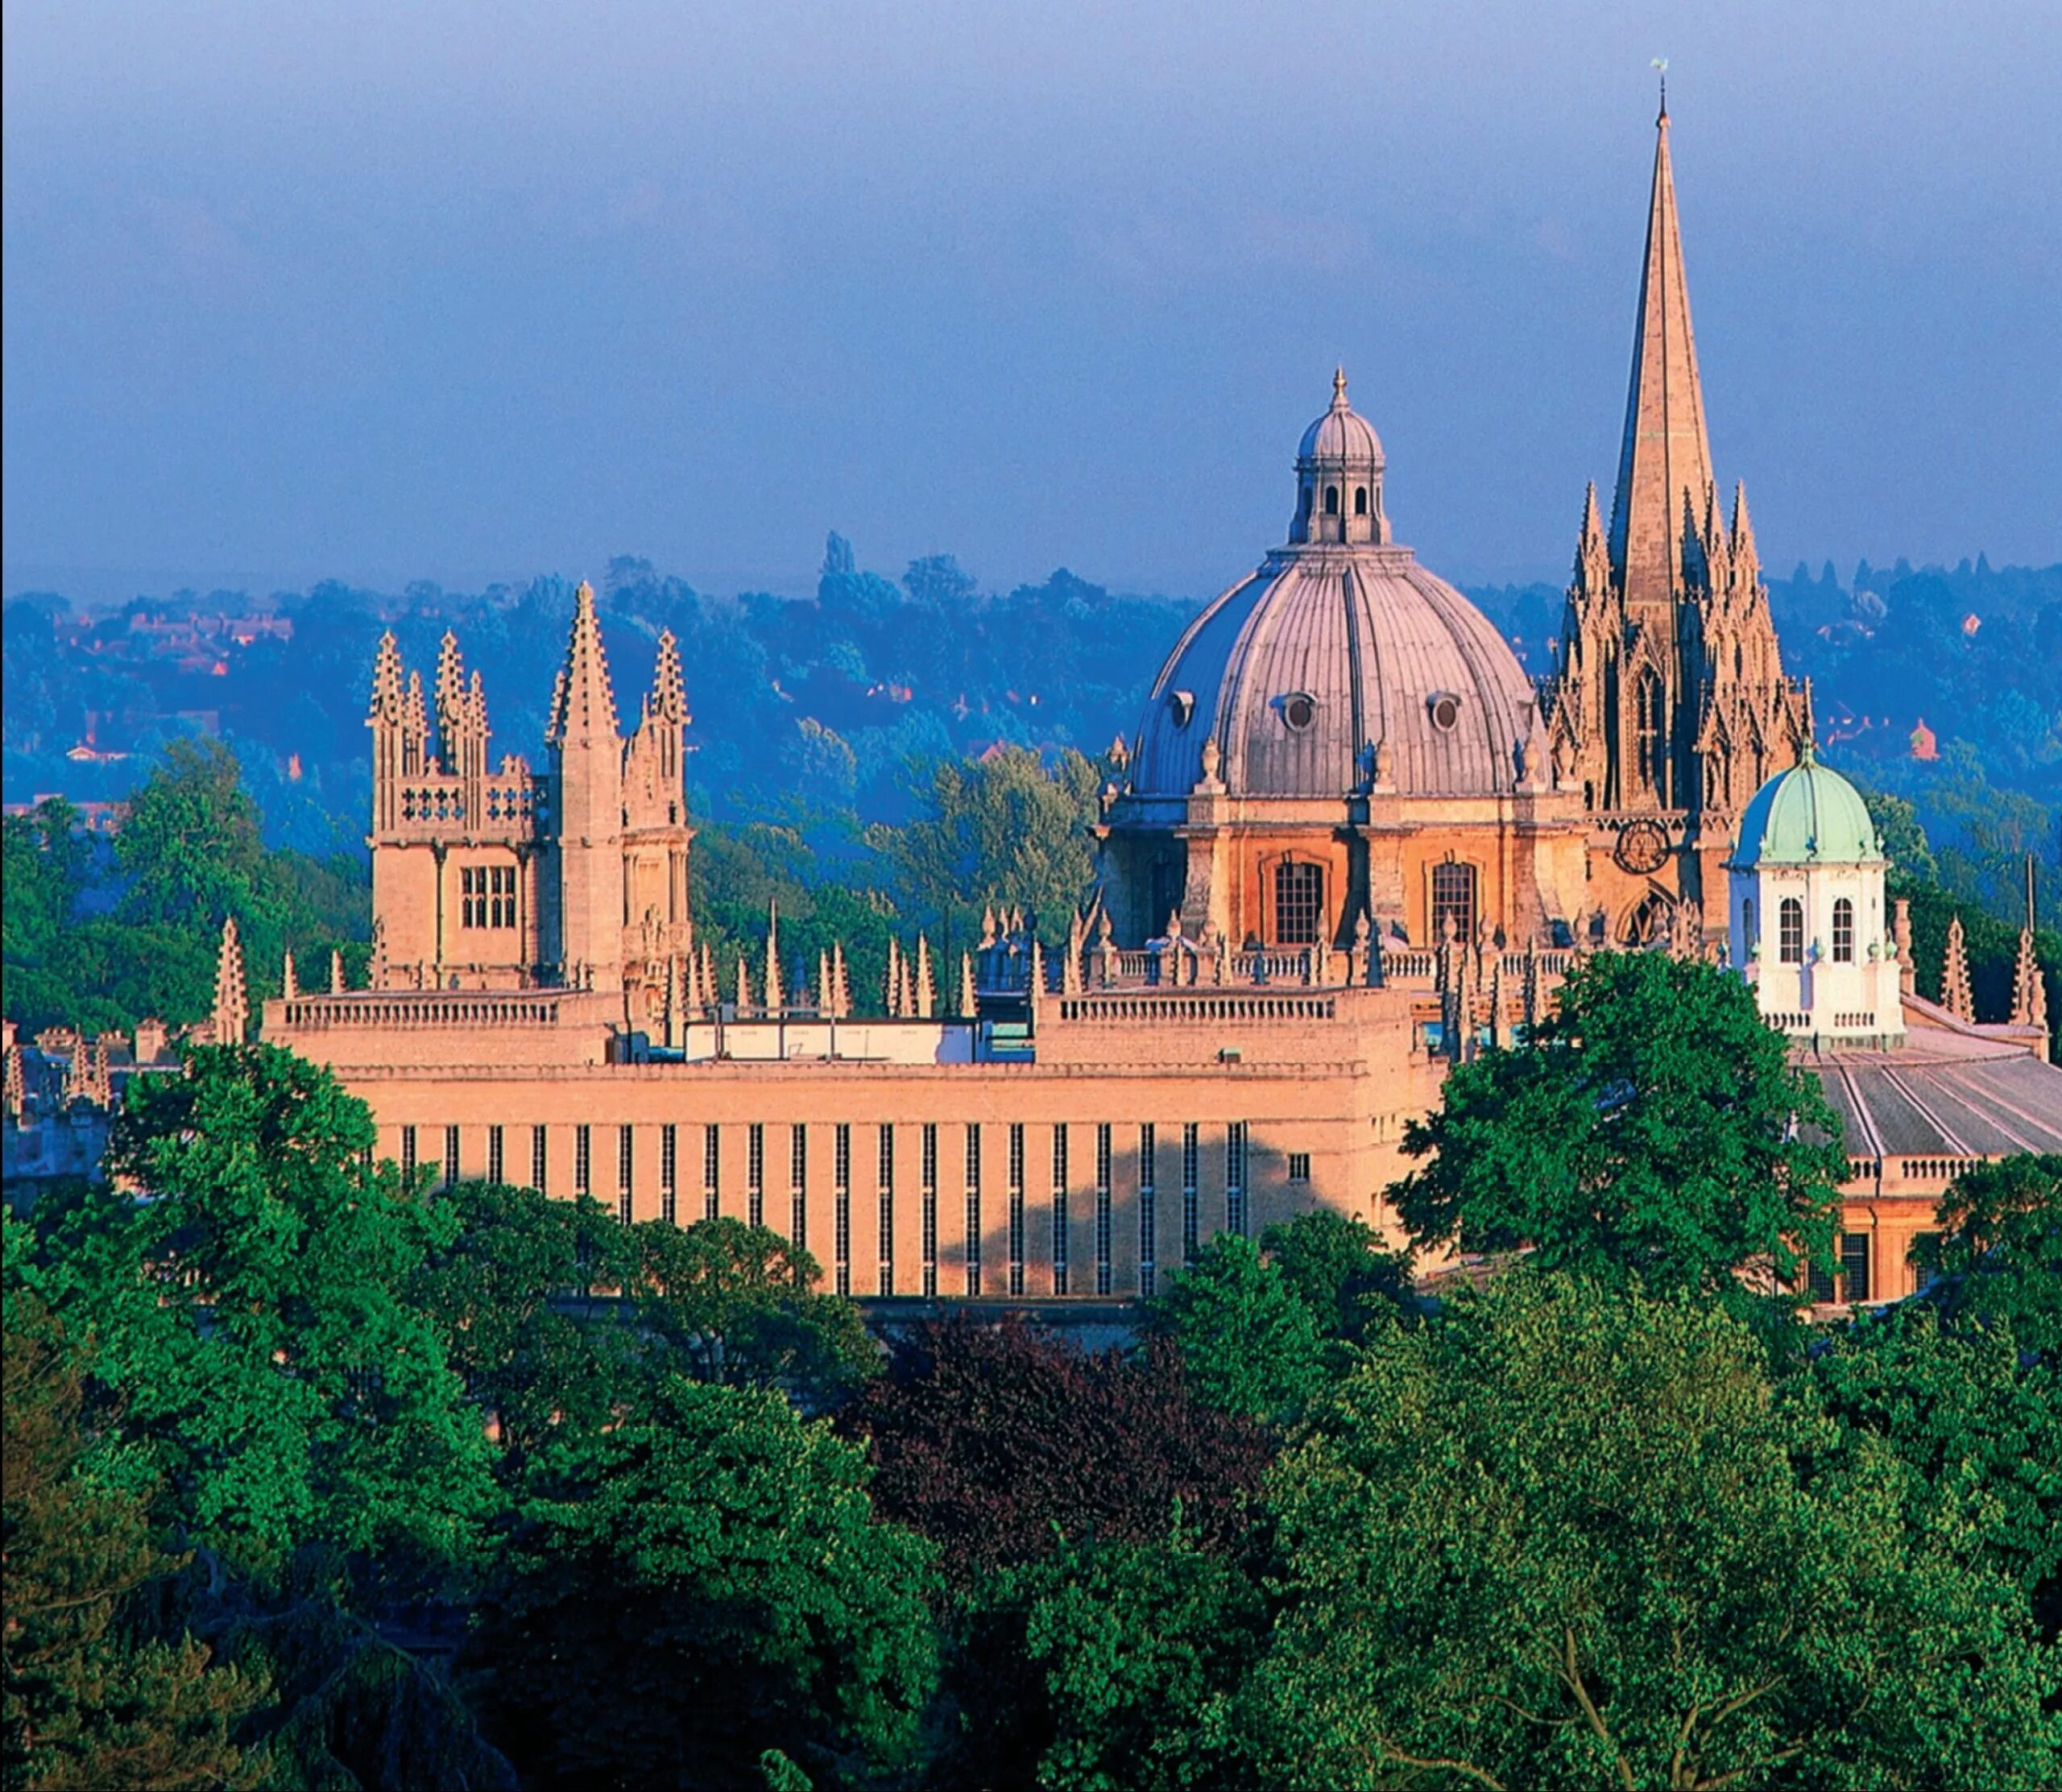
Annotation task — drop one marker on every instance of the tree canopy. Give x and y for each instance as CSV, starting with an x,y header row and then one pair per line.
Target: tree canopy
x,y
700,1583
1564,1538
1654,1129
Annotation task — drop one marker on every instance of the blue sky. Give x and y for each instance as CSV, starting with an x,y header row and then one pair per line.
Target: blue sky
x,y
474,292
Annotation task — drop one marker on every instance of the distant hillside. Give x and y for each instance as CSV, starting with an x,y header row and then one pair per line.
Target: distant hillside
x,y
815,706
817,709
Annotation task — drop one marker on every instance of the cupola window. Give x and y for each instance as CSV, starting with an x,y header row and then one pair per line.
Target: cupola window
x,y
1299,710
1445,710
1331,500
1844,931
1789,931
1360,500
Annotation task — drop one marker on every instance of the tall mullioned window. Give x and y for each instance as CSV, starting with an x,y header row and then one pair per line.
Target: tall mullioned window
x,y
798,1186
841,1196
1059,1209
885,1180
407,1151
755,1174
495,1161
1298,904
669,1174
1103,1208
1147,1205
1016,1207
583,1159
1854,1266
539,1159
1235,1178
973,1182
927,1193
626,1164
1191,1203
712,1165
450,1157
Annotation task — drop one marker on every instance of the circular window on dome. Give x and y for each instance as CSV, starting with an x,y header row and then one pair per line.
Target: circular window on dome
x,y
1445,710
1299,710
1181,704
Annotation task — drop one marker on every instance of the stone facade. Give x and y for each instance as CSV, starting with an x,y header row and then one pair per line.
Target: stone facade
x,y
501,878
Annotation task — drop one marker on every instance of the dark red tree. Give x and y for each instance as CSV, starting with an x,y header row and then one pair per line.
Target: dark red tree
x,y
987,1437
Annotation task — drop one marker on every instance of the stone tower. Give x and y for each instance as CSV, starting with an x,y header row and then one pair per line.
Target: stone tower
x,y
1667,705
585,846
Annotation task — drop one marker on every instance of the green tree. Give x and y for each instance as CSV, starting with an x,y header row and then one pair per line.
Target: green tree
x,y
1336,1266
1249,1343
738,1301
253,1314
705,1582
1002,829
1999,1247
91,1701
1656,1129
1976,1419
1561,1537
191,844
1142,1649
512,1284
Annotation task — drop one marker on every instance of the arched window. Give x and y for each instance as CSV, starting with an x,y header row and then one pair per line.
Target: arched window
x,y
1310,500
1298,903
1331,500
1844,931
1360,500
1789,931
1651,747
1453,894
1749,939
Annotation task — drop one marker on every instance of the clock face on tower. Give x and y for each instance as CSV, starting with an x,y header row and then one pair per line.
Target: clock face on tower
x,y
1643,848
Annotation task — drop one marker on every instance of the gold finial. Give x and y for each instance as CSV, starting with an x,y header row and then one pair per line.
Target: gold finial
x,y
1339,388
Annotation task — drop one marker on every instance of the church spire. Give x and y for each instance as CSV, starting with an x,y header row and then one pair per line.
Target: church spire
x,y
1667,451
583,706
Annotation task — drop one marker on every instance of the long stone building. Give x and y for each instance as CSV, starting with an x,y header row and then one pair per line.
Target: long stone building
x,y
1355,843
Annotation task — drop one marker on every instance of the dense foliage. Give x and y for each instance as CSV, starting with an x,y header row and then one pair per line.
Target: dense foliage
x,y
317,1477
1654,1132
98,936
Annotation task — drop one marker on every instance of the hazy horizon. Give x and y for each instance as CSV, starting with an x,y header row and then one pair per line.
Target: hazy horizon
x,y
479,295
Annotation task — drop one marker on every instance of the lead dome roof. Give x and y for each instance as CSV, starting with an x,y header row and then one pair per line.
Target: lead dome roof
x,y
1387,655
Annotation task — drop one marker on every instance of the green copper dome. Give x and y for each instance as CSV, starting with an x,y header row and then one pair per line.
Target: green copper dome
x,y
1809,815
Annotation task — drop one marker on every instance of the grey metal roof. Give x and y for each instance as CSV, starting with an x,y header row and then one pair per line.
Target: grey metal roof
x,y
1966,1104
1372,638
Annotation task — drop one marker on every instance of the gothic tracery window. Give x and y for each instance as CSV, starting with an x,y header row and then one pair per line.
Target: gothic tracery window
x,y
1650,743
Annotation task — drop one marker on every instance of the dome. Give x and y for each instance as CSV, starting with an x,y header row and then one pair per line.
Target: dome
x,y
1808,815
1342,433
1332,669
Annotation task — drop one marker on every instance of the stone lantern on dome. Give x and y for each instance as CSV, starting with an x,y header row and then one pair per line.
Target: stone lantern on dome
x,y
1338,477
1809,925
